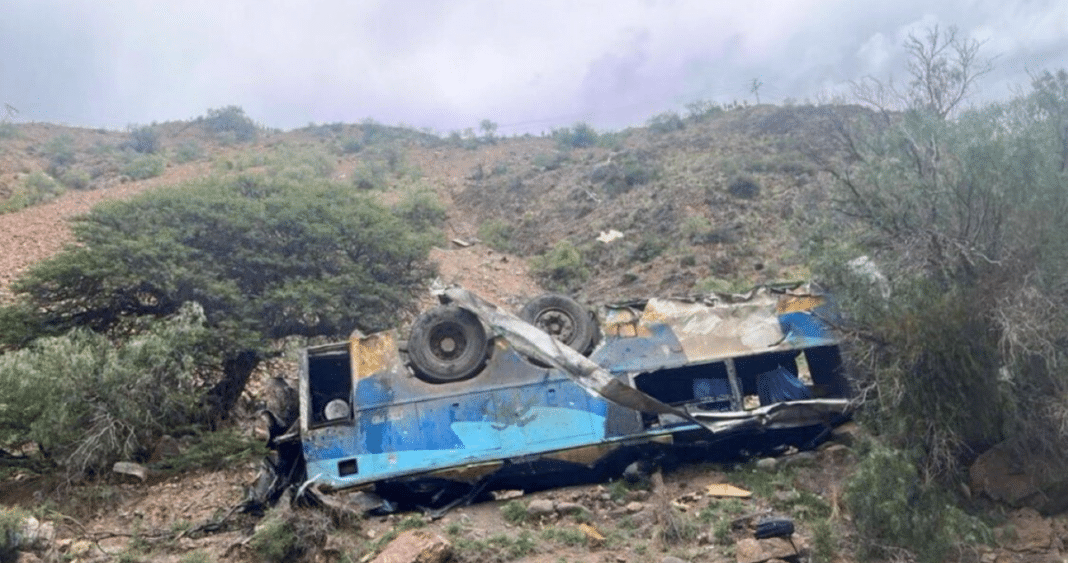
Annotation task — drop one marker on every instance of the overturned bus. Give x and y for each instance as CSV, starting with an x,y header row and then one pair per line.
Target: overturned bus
x,y
476,399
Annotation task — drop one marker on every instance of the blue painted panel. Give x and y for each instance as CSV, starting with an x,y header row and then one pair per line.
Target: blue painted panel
x,y
633,354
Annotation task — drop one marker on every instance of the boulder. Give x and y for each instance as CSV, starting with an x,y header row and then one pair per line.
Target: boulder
x,y
1026,530
750,550
540,507
1019,478
416,546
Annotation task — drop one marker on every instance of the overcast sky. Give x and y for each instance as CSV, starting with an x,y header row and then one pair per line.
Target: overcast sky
x,y
446,65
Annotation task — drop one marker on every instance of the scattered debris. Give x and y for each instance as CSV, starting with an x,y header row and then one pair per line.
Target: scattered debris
x,y
130,468
609,236
727,490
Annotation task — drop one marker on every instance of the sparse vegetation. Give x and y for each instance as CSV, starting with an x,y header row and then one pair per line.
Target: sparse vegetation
x,y
666,123
579,135
188,151
144,167
514,512
497,234
38,187
144,139
562,267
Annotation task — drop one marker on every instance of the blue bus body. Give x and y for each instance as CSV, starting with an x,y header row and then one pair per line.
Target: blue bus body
x,y
753,375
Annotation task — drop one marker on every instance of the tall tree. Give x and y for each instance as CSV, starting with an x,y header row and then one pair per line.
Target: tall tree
x,y
264,257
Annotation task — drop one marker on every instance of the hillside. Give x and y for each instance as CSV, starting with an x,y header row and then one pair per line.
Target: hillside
x,y
713,202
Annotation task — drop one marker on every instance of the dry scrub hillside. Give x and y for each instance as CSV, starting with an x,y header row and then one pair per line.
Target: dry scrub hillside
x,y
714,202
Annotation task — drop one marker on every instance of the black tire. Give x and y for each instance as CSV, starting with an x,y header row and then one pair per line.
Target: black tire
x,y
564,319
447,344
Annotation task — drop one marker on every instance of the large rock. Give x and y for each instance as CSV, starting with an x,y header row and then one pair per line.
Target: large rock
x,y
750,550
1026,530
1021,479
416,546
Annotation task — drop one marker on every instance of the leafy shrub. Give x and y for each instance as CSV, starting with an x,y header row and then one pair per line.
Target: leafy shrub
x,y
370,175
514,512
579,135
700,110
87,402
38,187
60,152
215,450
892,508
76,179
958,212
11,519
562,267
497,233
8,131
144,140
145,166
565,536
422,211
549,161
338,261
351,145
290,535
230,123
666,123
188,151
824,544
744,187
648,248
624,172
302,163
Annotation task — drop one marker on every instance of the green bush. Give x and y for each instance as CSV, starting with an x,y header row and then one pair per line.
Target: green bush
x,y
514,512
230,123
893,509
497,233
76,179
562,267
145,166
8,131
964,218
60,152
290,535
38,187
302,163
579,135
87,402
188,151
549,161
666,123
422,211
215,450
370,175
11,519
144,140
625,172
337,261
700,110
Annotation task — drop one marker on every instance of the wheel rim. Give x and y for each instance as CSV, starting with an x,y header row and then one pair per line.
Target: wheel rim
x,y
447,342
558,324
